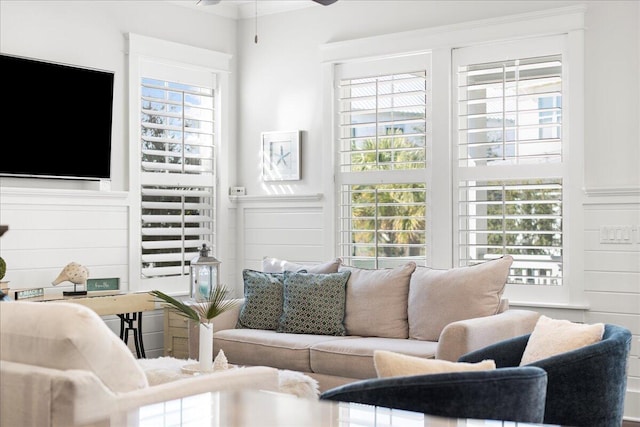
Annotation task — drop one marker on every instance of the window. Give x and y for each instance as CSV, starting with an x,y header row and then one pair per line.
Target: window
x,y
510,159
383,147
177,98
177,140
503,159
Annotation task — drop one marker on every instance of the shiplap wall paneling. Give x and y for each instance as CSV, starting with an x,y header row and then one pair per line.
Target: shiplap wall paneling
x,y
292,234
290,229
229,257
612,277
48,230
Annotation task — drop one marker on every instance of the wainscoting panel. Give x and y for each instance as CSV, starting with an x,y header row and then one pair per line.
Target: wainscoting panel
x,y
293,235
290,229
50,228
612,273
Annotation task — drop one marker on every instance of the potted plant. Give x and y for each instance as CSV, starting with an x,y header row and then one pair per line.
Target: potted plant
x,y
3,271
201,311
4,288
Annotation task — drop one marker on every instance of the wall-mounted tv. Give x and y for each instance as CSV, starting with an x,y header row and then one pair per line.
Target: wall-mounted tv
x,y
60,117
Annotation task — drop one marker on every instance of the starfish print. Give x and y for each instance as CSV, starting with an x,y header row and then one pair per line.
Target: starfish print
x,y
282,157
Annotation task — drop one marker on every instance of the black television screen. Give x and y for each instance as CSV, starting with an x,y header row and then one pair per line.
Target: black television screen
x,y
60,117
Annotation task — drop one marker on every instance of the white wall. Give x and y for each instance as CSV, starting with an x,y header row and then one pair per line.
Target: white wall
x,y
279,87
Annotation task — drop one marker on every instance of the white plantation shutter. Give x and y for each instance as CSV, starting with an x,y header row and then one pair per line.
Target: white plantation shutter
x,y
177,175
382,144
510,160
177,128
383,122
175,222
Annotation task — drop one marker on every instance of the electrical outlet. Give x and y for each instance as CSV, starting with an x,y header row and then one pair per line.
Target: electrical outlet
x,y
236,191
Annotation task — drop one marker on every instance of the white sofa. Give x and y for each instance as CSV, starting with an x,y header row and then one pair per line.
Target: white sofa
x,y
412,310
61,366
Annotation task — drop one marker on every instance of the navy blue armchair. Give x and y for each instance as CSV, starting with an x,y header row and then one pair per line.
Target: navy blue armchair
x,y
586,387
510,394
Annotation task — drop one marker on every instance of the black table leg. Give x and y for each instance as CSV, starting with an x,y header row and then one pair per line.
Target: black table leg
x,y
133,323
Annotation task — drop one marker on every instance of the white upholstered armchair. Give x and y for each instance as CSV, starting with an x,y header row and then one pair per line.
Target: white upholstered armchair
x,y
60,365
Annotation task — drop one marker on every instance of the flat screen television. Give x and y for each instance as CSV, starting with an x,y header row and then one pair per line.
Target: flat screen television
x,y
60,119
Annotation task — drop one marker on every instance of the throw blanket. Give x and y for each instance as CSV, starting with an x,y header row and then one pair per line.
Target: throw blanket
x,y
165,369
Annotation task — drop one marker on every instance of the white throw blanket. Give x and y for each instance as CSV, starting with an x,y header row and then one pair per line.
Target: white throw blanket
x,y
165,369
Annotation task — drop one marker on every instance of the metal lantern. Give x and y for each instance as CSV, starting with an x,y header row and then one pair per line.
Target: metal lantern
x,y
205,274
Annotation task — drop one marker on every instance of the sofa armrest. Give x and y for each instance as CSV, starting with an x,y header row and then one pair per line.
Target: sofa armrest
x,y
254,378
461,337
229,318
507,353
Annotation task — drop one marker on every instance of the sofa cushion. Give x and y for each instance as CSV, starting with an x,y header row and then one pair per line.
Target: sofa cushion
x,y
353,358
555,336
275,265
377,301
263,299
64,335
313,303
392,364
439,297
269,348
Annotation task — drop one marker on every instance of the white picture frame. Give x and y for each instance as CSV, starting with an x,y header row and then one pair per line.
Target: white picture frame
x,y
281,156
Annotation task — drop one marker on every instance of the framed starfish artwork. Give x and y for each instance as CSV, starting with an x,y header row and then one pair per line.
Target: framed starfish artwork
x,y
281,156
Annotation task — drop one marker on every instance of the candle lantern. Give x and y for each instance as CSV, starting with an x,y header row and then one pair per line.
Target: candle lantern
x,y
205,274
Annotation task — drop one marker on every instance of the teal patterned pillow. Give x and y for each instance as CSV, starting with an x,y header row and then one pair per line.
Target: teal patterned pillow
x,y
263,299
314,303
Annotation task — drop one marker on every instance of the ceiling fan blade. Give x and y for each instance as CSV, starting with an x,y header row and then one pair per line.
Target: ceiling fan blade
x,y
325,2
207,2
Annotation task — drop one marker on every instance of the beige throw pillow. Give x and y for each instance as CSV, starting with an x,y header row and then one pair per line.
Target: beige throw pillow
x,y
275,265
440,297
552,336
376,304
390,364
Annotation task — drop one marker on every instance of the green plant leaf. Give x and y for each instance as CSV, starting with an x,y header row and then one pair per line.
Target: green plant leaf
x,y
178,306
200,311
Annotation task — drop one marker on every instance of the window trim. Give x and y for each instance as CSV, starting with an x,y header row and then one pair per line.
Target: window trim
x,y
440,41
141,50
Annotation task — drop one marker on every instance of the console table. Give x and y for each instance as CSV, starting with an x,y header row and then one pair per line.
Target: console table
x,y
127,306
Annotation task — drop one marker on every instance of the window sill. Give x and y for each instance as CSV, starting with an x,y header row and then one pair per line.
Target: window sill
x,y
277,198
537,304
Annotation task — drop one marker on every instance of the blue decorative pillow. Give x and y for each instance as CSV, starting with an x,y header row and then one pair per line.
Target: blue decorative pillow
x,y
263,293
314,303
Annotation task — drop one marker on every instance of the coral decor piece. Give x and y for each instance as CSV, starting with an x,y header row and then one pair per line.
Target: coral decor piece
x,y
74,273
220,363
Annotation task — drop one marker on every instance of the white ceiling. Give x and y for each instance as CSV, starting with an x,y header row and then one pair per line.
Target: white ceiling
x,y
241,9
